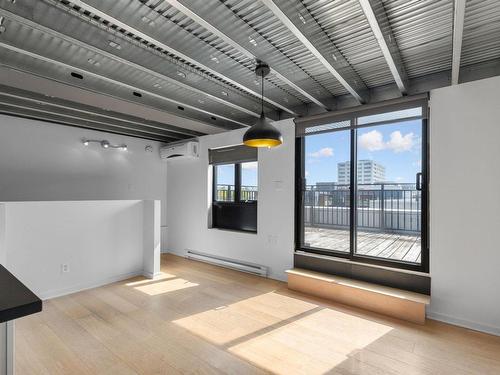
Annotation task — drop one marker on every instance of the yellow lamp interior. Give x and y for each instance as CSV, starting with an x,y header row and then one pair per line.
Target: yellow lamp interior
x,y
264,142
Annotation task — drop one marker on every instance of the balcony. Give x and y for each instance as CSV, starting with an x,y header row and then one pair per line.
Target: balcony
x,y
388,220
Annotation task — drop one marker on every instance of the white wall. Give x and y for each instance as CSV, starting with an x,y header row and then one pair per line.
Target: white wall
x,y
189,201
465,204
100,241
40,161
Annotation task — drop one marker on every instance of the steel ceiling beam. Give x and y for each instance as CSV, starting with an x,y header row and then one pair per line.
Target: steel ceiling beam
x,y
67,114
184,56
164,129
224,24
294,15
112,81
36,114
379,23
121,60
458,31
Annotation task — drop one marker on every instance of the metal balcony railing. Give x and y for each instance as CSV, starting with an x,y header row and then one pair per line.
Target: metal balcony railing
x,y
384,207
225,193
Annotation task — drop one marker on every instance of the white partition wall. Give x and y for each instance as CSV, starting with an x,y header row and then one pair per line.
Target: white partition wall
x,y
56,248
465,204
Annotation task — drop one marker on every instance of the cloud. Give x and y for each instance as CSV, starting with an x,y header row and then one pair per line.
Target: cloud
x,y
374,141
400,143
325,152
250,165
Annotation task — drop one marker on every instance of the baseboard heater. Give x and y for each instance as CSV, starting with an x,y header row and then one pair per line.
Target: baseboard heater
x,y
239,265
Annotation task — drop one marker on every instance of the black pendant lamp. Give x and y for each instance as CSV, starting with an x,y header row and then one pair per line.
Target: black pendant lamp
x,y
262,133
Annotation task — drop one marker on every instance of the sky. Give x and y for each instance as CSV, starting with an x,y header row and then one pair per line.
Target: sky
x,y
395,146
225,174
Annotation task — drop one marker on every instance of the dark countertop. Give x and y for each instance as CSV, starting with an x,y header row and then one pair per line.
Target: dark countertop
x,y
16,300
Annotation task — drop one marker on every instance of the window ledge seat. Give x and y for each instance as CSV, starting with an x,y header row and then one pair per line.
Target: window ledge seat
x,y
397,303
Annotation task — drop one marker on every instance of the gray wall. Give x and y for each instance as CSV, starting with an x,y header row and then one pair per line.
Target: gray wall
x,y
42,161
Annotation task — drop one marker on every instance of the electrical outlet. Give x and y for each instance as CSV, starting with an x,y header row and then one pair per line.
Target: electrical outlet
x,y
272,239
64,268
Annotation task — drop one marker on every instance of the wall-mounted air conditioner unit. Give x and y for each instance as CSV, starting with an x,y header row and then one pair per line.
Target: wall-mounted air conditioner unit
x,y
184,149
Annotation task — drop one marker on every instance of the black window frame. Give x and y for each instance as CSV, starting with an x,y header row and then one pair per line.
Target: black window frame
x,y
351,255
242,214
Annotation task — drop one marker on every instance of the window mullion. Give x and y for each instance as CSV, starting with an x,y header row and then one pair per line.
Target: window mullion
x,y
237,182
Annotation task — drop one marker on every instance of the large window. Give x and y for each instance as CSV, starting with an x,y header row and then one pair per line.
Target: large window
x,y
235,188
363,192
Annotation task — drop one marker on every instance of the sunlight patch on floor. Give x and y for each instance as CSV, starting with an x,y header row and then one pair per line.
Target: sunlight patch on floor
x,y
162,276
166,286
225,324
296,344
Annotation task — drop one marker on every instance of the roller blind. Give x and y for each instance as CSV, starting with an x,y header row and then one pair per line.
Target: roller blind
x,y
233,154
411,107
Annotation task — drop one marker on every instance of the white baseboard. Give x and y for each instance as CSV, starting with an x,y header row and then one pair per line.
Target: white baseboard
x,y
90,285
464,323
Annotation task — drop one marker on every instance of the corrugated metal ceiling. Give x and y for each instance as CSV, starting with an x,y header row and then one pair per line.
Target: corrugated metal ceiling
x,y
175,60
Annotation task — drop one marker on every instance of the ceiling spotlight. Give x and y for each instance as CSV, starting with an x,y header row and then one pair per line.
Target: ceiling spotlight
x,y
85,142
114,44
224,93
301,17
123,147
214,59
105,144
181,74
252,40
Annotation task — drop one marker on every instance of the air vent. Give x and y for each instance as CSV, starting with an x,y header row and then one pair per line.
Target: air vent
x,y
76,75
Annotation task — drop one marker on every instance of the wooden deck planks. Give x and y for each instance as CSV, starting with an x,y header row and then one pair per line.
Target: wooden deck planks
x,y
377,244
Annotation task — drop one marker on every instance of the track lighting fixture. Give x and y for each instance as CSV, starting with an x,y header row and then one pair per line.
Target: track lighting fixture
x,y
104,144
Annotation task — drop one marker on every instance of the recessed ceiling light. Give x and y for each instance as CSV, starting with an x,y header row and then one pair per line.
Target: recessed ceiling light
x,y
114,44
334,57
252,40
181,74
157,85
148,20
214,59
301,17
201,101
94,62
224,93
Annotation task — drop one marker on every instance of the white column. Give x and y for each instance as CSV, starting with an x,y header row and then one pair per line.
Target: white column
x,y
152,240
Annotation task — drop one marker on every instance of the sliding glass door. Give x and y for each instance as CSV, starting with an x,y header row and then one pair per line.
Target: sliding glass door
x,y
363,192
326,198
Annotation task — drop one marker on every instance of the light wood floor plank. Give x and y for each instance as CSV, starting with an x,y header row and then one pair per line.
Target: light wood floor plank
x,y
201,319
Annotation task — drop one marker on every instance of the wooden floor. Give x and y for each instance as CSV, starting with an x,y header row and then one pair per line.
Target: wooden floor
x,y
202,319
377,244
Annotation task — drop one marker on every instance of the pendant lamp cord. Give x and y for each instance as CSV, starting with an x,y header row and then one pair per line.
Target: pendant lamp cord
x,y
262,96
